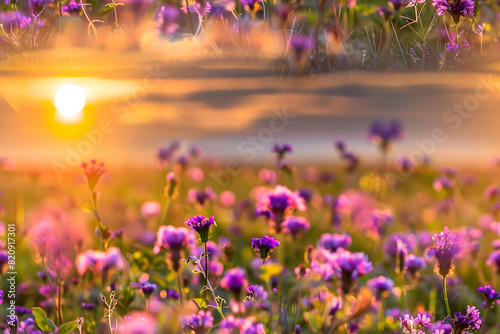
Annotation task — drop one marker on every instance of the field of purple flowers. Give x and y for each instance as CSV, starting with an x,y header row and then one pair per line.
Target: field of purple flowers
x,y
198,247
298,36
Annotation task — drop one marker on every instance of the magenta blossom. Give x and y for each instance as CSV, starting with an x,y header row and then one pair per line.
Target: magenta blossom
x,y
197,322
201,225
349,266
174,239
295,225
234,280
101,261
332,242
277,204
264,246
456,8
445,251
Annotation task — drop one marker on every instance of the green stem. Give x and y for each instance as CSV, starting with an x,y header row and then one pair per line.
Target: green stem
x,y
445,293
179,284
59,308
207,273
48,275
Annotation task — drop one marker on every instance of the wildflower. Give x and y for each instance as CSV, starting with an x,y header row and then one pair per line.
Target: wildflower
x,y
381,285
415,325
72,8
404,164
201,196
149,209
234,280
256,293
492,192
175,239
4,259
332,242
445,251
281,150
137,323
264,246
227,198
470,321
494,258
102,262
300,44
147,288
268,176
491,296
165,154
1,297
382,134
458,9
295,225
93,173
277,204
172,187
202,226
413,263
396,4
349,266
413,3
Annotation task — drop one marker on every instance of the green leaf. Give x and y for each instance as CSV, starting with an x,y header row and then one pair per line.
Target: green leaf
x,y
68,327
42,321
200,302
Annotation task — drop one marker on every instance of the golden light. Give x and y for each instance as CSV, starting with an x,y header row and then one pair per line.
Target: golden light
x,y
69,101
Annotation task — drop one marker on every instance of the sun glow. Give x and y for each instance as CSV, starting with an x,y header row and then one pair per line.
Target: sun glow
x,y
70,101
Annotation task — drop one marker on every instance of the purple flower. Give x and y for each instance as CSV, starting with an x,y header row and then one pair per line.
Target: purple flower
x,y
175,239
396,4
349,266
332,242
469,321
4,259
72,8
234,280
201,225
490,295
404,164
494,258
278,203
295,225
415,325
456,8
264,246
201,196
381,285
256,293
299,45
445,250
382,134
146,288
281,150
413,263
398,246
171,293
440,327
197,322
1,297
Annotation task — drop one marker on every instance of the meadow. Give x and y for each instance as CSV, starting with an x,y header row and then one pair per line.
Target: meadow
x,y
341,248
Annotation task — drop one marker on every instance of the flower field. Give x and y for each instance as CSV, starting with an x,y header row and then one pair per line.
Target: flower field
x,y
397,247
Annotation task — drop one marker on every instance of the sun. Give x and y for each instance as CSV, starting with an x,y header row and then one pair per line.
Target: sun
x,y
70,101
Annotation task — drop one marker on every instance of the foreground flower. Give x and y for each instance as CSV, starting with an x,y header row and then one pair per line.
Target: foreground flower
x,y
464,323
456,8
202,226
197,322
445,251
264,246
415,325
93,172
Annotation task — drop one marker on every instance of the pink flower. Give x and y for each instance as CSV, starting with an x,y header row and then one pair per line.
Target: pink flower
x,y
227,198
100,261
149,209
137,323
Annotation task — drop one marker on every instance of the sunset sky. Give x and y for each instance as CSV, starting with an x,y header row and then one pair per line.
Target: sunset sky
x,y
145,101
